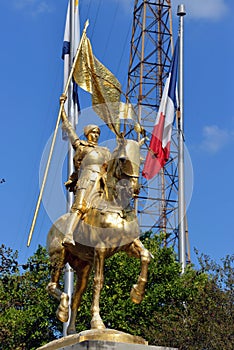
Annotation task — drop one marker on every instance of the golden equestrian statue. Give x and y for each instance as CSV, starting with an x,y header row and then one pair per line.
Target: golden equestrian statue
x,y
101,223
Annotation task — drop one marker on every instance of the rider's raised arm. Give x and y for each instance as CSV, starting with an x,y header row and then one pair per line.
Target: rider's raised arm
x,y
67,127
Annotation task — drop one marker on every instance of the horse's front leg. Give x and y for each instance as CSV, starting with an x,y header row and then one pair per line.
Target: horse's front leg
x,y
138,250
82,269
99,258
57,259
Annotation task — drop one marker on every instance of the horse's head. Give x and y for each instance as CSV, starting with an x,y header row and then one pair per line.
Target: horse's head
x,y
123,170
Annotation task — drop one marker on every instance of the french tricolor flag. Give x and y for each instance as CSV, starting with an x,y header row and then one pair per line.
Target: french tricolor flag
x,y
159,148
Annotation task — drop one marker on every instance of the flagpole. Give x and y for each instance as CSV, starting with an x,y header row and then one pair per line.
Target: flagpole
x,y
68,273
53,141
181,199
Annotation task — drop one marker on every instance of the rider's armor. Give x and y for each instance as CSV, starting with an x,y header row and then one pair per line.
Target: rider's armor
x,y
91,169
89,162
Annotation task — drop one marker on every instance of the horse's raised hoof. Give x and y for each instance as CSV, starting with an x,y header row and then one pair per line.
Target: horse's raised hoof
x,y
62,315
136,295
62,312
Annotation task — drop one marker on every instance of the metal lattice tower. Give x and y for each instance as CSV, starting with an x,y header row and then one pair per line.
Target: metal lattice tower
x,y
150,58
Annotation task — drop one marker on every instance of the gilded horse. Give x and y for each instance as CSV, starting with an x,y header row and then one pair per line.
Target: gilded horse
x,y
110,225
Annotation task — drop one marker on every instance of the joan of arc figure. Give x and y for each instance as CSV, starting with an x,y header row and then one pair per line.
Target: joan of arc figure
x,y
90,162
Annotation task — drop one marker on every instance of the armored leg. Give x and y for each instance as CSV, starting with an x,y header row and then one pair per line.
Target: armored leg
x,y
72,223
77,210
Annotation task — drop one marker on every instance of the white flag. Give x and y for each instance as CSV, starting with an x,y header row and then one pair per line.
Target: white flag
x,y
66,56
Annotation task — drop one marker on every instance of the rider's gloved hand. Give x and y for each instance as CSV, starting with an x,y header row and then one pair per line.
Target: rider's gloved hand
x,y
62,99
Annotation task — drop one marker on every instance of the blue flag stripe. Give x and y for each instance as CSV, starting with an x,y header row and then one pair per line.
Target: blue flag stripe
x,y
173,72
66,49
75,95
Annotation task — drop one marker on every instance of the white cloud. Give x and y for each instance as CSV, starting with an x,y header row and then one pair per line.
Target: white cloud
x,y
215,138
205,9
33,7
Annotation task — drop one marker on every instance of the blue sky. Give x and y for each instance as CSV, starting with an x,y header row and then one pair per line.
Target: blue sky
x,y
31,83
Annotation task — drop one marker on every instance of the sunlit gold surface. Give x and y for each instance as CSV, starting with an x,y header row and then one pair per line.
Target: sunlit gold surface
x,y
109,225
90,163
109,335
94,77
101,222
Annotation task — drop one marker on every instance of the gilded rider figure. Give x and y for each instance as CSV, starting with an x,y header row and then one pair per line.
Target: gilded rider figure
x,y
90,162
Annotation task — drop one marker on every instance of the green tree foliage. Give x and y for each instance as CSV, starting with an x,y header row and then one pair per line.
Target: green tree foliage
x,y
26,312
190,311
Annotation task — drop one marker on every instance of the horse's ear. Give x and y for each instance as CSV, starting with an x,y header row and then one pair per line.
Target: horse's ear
x,y
140,143
120,140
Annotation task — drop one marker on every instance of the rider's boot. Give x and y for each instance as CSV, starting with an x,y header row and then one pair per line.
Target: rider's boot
x,y
72,223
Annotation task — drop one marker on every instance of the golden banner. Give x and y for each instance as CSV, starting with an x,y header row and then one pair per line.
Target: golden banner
x,y
92,76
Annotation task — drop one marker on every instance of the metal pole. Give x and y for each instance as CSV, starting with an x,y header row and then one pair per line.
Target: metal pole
x,y
69,274
163,217
140,95
181,200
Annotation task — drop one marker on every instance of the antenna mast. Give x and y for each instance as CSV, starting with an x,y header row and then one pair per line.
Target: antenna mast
x,y
150,58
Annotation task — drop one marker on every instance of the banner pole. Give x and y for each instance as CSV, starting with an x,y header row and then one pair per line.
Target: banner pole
x,y
54,139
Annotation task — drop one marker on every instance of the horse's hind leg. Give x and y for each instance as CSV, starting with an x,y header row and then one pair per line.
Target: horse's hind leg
x,y
82,269
57,259
96,322
138,250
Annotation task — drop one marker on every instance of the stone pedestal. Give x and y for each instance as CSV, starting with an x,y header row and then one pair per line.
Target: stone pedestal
x,y
107,339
